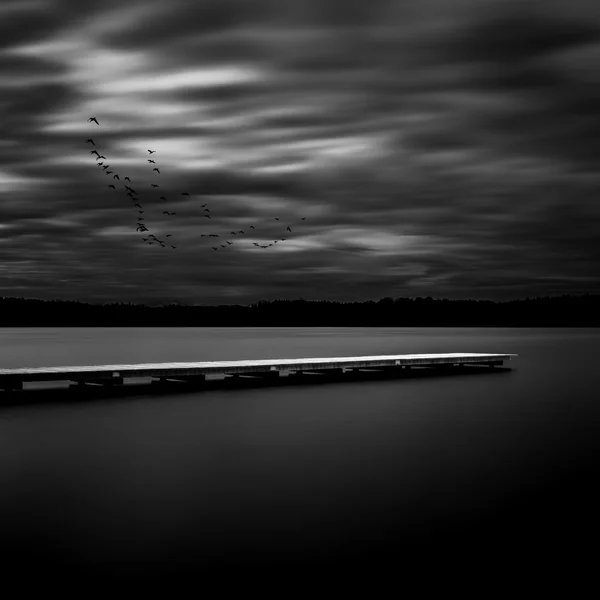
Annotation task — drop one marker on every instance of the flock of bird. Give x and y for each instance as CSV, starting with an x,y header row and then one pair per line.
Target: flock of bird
x,y
141,226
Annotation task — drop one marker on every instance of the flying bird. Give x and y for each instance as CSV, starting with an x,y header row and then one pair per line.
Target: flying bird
x,y
151,161
162,198
116,177
303,219
166,212
127,179
112,186
173,247
105,167
232,232
252,227
207,216
184,194
168,235
153,185
94,120
95,152
214,248
230,243
203,205
155,169
100,157
151,151
240,231
90,141
288,229
109,172
277,218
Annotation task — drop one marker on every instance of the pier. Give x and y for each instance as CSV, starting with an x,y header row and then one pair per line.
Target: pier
x,y
249,372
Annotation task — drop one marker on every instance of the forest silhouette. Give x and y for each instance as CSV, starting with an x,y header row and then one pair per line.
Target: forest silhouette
x,y
548,311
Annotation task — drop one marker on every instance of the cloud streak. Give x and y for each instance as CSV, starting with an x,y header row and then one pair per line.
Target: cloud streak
x,y
432,149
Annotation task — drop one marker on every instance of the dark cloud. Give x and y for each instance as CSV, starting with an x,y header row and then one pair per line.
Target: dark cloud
x,y
434,148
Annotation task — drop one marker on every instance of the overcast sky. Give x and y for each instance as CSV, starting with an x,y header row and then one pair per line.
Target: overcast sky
x,y
433,147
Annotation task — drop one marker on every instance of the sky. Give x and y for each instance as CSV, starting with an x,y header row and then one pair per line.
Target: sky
x,y
444,148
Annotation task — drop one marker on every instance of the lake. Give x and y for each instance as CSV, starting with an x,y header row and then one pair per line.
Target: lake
x,y
354,474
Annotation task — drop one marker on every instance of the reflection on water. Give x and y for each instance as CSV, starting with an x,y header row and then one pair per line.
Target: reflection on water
x,y
338,472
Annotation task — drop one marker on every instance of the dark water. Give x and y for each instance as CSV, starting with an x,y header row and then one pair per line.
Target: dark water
x,y
351,474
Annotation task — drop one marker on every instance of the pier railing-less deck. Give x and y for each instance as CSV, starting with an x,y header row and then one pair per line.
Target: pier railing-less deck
x,y
13,379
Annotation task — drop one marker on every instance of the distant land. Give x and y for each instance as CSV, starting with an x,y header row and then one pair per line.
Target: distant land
x,y
549,311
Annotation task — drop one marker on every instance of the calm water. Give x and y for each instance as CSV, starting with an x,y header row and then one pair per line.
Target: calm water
x,y
352,472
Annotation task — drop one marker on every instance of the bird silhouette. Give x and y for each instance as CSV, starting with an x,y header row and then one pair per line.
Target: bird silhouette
x,y
214,248
95,152
99,164
127,179
153,185
230,243
108,172
168,235
207,210
173,247
100,157
155,169
105,167
112,186
203,205
166,212
232,232
116,177
151,151
184,194
140,212
207,216
162,198
303,219
288,229
277,218
151,161
252,227
240,231
94,120
90,141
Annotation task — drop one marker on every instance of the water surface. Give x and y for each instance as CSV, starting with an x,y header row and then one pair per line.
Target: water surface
x,y
350,473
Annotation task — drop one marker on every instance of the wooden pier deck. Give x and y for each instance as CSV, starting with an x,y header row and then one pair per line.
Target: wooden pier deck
x,y
196,372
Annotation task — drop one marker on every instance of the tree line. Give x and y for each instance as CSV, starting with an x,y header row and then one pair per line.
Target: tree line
x,y
547,311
